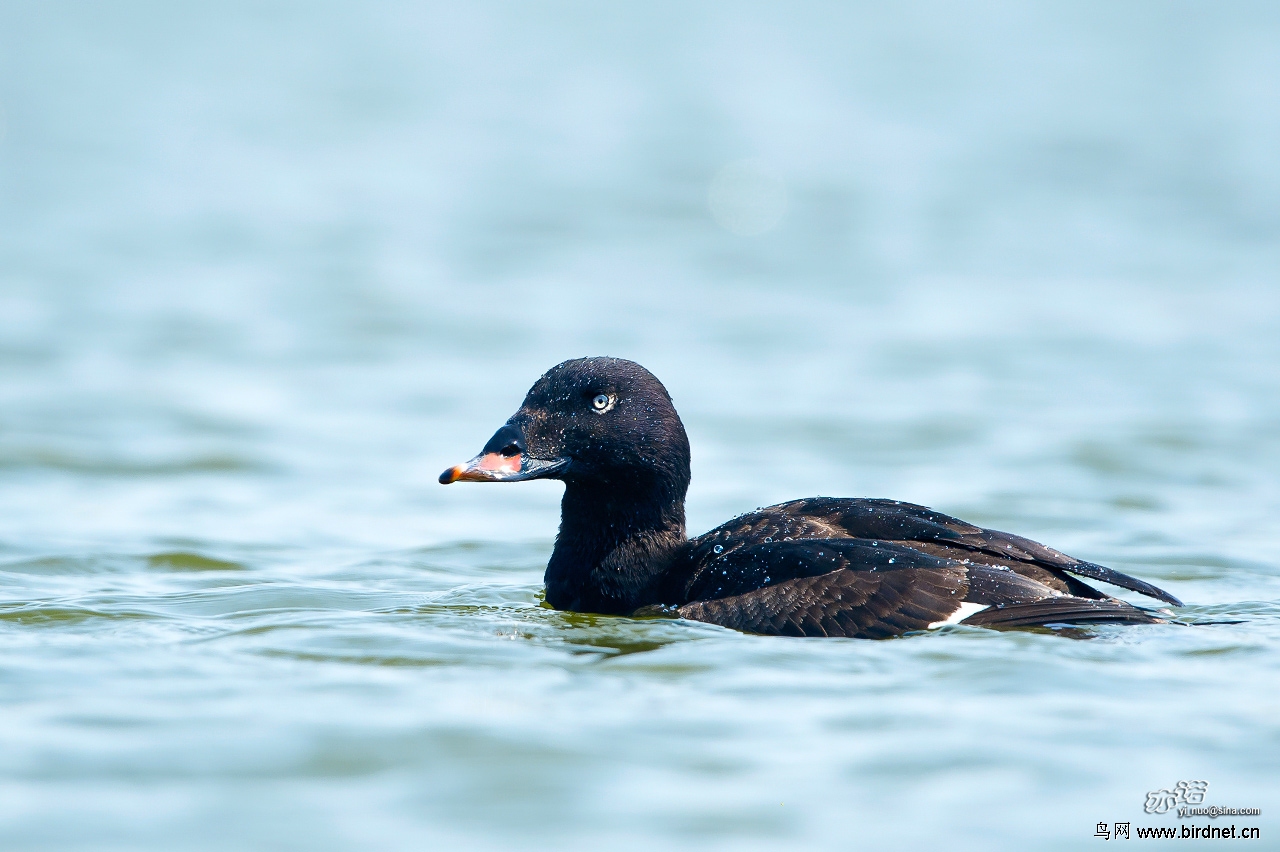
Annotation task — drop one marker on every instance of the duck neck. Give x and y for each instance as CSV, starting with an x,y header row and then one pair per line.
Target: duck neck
x,y
615,545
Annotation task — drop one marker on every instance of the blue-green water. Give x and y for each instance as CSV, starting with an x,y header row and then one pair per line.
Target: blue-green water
x,y
266,269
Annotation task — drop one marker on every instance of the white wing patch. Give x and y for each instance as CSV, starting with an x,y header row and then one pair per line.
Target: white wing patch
x,y
962,612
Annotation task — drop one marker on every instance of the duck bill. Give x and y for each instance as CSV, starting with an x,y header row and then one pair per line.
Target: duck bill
x,y
495,467
504,459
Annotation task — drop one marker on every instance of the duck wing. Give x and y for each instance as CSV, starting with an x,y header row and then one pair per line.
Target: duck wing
x,y
891,521
859,589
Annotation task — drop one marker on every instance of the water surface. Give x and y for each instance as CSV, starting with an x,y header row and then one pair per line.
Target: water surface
x,y
265,270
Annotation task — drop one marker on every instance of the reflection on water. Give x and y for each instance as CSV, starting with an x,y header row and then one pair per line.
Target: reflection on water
x,y
265,271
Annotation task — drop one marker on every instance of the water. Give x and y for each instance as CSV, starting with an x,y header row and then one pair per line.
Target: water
x,y
266,269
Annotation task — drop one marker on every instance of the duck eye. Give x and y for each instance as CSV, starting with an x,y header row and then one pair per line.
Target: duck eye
x,y
602,402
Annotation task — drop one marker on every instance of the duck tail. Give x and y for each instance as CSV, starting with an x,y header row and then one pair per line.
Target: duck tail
x,y
1063,609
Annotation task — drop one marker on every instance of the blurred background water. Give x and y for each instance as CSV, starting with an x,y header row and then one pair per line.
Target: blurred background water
x,y
267,268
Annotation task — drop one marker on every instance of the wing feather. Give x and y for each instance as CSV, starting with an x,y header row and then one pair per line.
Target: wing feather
x,y
825,588
909,525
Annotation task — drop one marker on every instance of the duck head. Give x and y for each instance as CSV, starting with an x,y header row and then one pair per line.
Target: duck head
x,y
589,421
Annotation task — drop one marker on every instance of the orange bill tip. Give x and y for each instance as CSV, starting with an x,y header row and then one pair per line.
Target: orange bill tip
x,y
489,467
